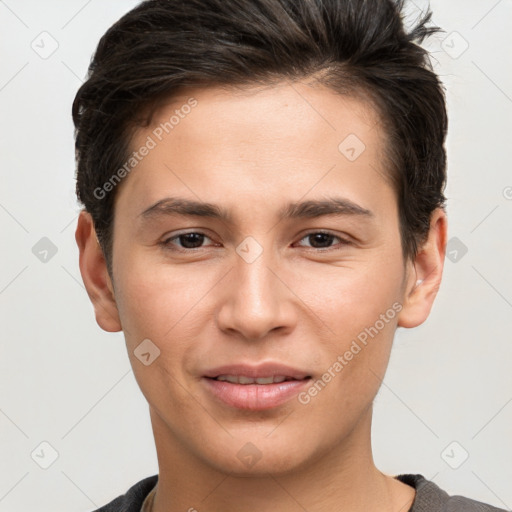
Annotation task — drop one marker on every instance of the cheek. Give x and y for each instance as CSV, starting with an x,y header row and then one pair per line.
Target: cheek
x,y
351,298
162,300
163,306
359,306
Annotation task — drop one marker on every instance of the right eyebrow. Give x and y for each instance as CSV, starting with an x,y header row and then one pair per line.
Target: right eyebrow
x,y
186,207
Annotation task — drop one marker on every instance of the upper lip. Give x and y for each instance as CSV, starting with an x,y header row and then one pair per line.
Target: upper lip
x,y
257,371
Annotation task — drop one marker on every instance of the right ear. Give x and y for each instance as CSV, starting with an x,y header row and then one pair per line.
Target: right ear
x,y
94,272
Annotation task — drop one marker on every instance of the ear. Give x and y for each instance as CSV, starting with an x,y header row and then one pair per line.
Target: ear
x,y
424,274
93,268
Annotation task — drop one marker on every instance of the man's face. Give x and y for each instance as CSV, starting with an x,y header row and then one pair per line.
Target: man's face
x,y
256,287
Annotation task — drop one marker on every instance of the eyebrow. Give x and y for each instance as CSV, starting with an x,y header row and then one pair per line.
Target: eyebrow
x,y
338,206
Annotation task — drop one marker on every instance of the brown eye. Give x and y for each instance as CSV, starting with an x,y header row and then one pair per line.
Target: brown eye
x,y
322,240
191,240
184,241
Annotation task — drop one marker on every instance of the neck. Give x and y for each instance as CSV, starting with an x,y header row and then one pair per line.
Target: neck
x,y
344,478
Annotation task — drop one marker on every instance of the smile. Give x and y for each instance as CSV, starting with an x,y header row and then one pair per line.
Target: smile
x,y
243,379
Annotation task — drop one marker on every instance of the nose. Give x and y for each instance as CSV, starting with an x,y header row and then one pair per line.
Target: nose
x,y
256,301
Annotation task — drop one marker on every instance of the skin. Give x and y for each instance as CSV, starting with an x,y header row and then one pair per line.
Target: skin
x,y
301,302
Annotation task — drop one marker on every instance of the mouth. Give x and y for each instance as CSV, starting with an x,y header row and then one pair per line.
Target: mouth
x,y
255,387
246,373
244,379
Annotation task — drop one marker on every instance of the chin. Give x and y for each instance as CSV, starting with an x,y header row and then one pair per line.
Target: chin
x,y
257,456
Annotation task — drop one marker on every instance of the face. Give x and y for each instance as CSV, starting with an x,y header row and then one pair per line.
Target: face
x,y
294,270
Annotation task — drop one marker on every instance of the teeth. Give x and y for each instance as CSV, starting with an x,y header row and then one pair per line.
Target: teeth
x,y
242,379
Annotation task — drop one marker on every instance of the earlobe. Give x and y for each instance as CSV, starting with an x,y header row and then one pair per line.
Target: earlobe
x,y
425,278
93,268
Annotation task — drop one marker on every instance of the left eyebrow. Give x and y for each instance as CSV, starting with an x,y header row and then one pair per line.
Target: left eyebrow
x,y
306,209
317,208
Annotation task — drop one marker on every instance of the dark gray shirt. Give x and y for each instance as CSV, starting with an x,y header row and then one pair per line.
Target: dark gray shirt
x,y
429,498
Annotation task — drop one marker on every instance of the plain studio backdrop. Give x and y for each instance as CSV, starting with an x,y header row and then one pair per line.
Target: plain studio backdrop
x,y
74,426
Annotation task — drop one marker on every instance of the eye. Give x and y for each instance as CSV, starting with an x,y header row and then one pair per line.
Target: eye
x,y
192,240
323,239
187,242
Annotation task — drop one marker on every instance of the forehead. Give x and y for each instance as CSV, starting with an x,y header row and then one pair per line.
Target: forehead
x,y
298,111
266,139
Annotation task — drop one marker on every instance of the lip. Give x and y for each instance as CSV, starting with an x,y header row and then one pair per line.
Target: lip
x,y
255,396
262,370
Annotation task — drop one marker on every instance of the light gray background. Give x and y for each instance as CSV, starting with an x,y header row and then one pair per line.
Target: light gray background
x,y
66,382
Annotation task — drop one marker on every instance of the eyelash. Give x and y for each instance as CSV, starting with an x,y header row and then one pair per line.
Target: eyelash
x,y
167,244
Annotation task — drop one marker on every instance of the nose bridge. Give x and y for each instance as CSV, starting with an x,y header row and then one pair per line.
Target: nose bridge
x,y
257,282
255,300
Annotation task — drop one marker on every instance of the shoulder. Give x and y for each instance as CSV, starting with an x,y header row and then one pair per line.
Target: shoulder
x,y
431,498
132,500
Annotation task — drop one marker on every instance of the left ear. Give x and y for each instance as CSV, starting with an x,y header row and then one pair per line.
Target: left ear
x,y
425,273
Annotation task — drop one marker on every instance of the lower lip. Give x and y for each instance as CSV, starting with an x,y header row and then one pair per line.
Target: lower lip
x,y
255,397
